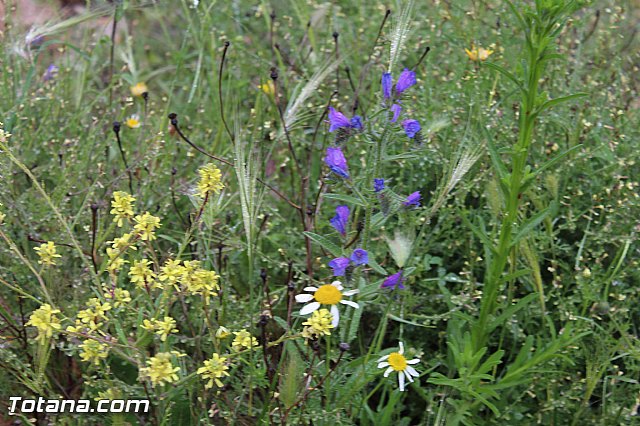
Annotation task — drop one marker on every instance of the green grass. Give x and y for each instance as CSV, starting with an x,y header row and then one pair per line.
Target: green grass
x,y
521,265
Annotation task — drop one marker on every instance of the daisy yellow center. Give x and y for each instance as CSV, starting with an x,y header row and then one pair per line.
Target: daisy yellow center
x,y
397,362
328,295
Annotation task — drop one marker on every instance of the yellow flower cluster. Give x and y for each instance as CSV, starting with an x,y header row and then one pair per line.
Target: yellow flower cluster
x,y
145,226
214,369
161,328
319,324
119,297
133,121
45,320
92,318
122,207
190,277
93,351
210,180
160,369
118,247
142,275
243,339
47,253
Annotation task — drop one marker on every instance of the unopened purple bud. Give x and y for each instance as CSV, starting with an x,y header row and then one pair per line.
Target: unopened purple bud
x,y
386,85
407,79
395,109
413,199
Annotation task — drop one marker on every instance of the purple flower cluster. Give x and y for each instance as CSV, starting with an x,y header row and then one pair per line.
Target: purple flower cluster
x,y
340,264
407,79
338,120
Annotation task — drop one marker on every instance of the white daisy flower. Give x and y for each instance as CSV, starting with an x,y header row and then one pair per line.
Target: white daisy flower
x,y
328,294
396,361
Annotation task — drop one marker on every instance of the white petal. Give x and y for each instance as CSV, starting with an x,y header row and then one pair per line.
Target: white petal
x,y
307,309
338,285
336,315
354,305
383,364
389,370
383,358
401,351
350,292
412,371
407,375
413,361
312,289
401,381
303,298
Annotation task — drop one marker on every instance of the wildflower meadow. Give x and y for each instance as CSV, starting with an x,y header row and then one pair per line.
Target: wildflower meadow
x,y
297,212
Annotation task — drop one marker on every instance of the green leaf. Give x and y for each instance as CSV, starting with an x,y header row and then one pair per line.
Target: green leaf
x,y
506,74
346,199
532,222
324,243
376,266
555,160
557,101
510,311
478,232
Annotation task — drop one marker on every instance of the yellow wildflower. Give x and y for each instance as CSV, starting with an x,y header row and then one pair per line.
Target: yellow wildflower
x,y
210,180
94,316
319,324
160,370
141,274
222,332
45,320
243,339
171,272
214,369
478,53
93,351
161,328
268,88
146,224
122,204
47,253
139,89
120,297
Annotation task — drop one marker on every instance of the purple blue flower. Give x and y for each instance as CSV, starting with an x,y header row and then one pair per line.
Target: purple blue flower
x,y
413,199
340,220
395,109
336,162
356,122
339,266
387,82
394,281
50,73
360,257
338,120
407,79
378,184
411,127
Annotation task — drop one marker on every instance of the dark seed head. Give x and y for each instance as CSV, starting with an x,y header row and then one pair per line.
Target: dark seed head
x,y
116,126
344,346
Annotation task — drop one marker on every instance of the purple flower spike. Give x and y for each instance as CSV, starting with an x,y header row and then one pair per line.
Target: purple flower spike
x,y
395,109
411,127
378,185
339,266
356,122
386,85
394,281
339,221
407,79
337,119
413,199
336,162
360,257
50,73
